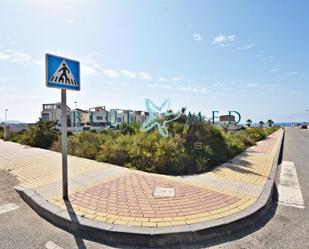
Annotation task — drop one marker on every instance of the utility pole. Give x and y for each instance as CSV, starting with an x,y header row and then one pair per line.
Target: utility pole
x,y
75,117
64,144
6,117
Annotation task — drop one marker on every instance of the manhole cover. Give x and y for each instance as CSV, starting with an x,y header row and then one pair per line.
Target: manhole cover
x,y
164,192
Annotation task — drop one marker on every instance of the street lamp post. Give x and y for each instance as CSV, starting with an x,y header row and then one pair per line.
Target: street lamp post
x,y
6,117
75,116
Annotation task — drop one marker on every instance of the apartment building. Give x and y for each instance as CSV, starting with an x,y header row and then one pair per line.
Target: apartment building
x,y
79,117
139,116
98,116
52,112
227,120
94,117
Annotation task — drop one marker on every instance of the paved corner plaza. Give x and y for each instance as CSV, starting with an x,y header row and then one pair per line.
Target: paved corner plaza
x,y
116,195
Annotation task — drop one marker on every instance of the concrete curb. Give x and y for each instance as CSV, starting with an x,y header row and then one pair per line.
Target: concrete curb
x,y
159,236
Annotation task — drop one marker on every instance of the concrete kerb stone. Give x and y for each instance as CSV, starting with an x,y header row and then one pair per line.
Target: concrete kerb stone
x,y
160,235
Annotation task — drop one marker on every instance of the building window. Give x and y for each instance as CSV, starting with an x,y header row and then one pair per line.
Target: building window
x,y
99,118
45,116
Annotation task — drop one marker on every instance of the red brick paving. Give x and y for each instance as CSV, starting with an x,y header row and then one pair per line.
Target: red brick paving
x,y
131,196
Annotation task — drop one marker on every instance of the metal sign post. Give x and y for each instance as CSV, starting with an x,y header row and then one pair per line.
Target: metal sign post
x,y
64,142
63,73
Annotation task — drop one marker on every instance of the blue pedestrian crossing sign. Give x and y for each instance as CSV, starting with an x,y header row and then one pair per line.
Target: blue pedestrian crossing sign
x,y
62,72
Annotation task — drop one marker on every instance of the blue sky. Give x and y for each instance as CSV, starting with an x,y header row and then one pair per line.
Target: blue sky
x,y
248,56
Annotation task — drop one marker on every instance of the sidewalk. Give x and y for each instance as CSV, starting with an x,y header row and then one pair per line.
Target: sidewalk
x,y
115,195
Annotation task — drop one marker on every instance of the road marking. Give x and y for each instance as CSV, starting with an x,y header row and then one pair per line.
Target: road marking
x,y
8,208
52,245
289,190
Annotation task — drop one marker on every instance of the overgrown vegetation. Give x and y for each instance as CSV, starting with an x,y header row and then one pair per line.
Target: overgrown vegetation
x,y
190,148
42,135
1,132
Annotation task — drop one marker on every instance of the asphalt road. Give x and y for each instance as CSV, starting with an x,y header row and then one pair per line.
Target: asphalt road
x,y
282,227
289,227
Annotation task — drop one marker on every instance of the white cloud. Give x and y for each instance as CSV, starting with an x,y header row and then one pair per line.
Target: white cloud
x,y
197,37
274,70
231,38
224,41
2,79
291,73
86,69
70,21
18,96
252,85
7,89
129,74
246,47
162,79
14,56
220,84
41,63
88,64
144,76
261,54
179,87
178,78
271,85
219,39
111,73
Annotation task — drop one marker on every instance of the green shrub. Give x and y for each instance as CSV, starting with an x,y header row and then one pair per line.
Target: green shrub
x,y
214,148
153,153
1,132
190,148
126,129
42,135
85,144
115,150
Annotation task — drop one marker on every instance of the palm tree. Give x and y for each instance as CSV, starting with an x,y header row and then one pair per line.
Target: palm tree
x,y
270,122
249,122
261,123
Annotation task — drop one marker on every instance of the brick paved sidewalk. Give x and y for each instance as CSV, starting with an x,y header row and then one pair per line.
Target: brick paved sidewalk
x,y
105,192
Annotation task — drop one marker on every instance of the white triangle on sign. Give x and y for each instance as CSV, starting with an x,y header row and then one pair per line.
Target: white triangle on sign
x,y
63,75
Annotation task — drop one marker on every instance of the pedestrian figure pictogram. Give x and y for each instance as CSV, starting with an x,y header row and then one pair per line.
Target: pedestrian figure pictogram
x,y
63,75
64,71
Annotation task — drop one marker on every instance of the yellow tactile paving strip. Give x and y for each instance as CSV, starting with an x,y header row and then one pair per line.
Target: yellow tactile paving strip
x,y
33,171
126,198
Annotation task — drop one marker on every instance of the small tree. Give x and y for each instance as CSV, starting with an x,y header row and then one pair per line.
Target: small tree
x,y
261,123
270,122
42,134
249,122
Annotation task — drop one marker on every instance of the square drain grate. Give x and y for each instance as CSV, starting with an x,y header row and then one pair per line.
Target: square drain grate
x,y
164,192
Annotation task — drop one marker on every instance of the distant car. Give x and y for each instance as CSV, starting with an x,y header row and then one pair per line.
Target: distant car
x,y
303,126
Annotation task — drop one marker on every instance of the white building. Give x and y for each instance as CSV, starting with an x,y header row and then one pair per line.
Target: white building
x,y
98,116
139,116
95,117
225,120
79,118
52,112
